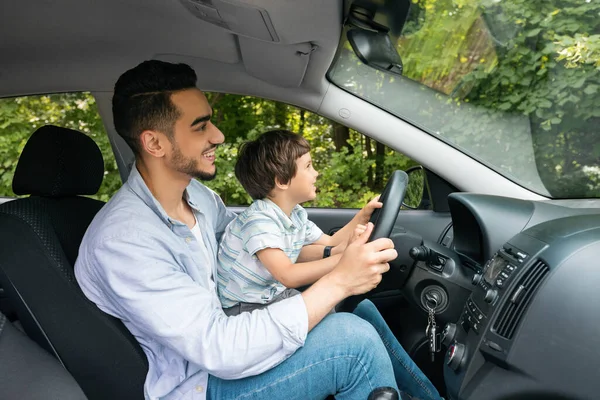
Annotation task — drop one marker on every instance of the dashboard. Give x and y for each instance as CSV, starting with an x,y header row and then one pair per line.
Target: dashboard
x,y
528,326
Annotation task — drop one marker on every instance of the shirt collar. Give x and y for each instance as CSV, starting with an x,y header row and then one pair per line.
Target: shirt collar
x,y
294,221
138,186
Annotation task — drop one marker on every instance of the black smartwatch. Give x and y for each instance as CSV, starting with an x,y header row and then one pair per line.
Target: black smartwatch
x,y
326,251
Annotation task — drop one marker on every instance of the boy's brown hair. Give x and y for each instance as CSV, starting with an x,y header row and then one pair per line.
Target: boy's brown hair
x,y
272,156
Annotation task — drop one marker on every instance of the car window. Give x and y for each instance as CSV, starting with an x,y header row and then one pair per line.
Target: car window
x,y
514,84
352,167
21,116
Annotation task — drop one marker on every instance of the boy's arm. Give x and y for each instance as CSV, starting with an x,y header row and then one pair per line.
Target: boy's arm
x,y
298,274
340,238
315,251
311,252
362,218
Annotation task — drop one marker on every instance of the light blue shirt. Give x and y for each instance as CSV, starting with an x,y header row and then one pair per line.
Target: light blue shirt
x,y
241,275
149,270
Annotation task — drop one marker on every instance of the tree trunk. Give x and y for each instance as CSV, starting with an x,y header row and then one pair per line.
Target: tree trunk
x,y
213,100
379,167
369,157
341,135
302,122
281,115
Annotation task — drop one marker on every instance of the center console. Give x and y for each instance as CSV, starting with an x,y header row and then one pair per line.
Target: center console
x,y
474,336
530,328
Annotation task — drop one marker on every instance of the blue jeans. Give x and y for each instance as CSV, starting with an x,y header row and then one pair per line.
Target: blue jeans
x,y
343,355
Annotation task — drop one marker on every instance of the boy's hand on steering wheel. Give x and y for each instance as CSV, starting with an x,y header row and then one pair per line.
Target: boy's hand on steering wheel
x,y
358,230
364,215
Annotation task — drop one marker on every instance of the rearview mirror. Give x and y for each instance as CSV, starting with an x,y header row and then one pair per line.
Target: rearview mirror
x,y
376,50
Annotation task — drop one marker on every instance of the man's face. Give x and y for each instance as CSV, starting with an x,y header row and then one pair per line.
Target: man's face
x,y
195,138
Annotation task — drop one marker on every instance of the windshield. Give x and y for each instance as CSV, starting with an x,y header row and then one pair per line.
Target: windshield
x,y
514,84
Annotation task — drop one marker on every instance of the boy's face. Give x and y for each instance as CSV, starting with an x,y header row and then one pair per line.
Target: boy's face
x,y
302,186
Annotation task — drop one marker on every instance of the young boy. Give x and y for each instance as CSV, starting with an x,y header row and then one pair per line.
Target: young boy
x,y
258,253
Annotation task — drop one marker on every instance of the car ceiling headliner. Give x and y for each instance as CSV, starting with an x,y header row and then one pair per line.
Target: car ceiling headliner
x,y
73,45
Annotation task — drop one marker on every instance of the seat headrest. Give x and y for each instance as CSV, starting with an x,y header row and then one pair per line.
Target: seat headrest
x,y
59,162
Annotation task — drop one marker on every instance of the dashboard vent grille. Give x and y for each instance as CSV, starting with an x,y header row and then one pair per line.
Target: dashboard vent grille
x,y
519,299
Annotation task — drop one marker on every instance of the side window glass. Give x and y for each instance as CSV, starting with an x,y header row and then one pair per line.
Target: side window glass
x,y
352,167
21,116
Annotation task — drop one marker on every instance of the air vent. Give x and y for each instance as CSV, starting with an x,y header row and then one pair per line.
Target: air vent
x,y
519,299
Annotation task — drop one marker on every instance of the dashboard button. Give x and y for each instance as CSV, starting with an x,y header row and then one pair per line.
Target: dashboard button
x,y
490,296
456,353
494,346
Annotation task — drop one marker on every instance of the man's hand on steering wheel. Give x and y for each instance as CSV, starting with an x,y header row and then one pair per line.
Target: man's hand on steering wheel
x,y
362,264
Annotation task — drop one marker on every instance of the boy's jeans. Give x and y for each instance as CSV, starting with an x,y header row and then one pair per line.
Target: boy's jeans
x,y
343,355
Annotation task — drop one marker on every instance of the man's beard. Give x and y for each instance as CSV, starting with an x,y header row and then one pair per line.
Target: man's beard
x,y
187,165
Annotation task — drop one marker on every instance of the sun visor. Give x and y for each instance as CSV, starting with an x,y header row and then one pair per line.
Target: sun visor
x,y
241,19
281,65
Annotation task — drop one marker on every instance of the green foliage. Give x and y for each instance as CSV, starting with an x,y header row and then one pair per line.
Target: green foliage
x,y
21,116
539,60
515,85
344,176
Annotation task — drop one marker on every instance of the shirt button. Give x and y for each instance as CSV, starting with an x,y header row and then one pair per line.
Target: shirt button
x,y
188,239
199,389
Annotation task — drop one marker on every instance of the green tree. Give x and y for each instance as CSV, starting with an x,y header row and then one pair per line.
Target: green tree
x,y
539,60
347,173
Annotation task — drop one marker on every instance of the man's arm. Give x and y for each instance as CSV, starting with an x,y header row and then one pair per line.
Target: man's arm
x,y
135,278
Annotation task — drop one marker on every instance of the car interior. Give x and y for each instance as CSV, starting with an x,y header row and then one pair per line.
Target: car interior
x,y
507,268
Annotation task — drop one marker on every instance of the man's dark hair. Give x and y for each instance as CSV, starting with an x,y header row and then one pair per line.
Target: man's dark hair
x,y
142,99
272,156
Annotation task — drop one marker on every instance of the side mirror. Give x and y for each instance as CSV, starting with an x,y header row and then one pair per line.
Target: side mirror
x,y
417,193
376,50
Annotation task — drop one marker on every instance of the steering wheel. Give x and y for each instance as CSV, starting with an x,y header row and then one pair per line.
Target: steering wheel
x,y
392,197
384,219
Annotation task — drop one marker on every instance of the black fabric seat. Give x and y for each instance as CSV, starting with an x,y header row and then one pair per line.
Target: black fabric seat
x,y
40,238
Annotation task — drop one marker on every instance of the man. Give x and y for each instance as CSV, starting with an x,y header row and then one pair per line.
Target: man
x,y
149,258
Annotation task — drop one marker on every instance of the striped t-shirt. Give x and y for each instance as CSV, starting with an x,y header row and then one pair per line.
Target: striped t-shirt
x,y
241,277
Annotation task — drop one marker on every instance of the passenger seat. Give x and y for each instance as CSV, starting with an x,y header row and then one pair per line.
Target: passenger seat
x,y
40,237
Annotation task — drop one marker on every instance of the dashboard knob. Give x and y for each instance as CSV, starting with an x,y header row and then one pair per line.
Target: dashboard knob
x,y
490,296
419,253
476,279
449,334
456,353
